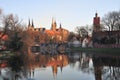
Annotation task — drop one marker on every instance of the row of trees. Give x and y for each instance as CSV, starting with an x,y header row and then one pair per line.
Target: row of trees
x,y
111,20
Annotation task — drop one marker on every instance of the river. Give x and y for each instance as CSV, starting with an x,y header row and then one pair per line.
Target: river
x,y
65,66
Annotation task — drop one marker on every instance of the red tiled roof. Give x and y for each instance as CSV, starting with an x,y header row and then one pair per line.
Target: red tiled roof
x,y
3,37
52,33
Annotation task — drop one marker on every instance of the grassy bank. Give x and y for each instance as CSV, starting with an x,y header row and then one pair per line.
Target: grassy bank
x,y
6,54
98,50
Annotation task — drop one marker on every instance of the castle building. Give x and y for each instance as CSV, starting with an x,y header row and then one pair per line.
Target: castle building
x,y
58,34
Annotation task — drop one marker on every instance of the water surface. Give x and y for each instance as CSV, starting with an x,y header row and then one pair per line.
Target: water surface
x,y
70,66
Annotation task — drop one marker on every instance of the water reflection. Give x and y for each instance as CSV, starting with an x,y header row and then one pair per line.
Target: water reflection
x,y
70,66
11,68
106,67
44,61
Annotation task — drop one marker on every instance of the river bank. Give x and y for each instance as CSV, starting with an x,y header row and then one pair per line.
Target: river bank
x,y
97,50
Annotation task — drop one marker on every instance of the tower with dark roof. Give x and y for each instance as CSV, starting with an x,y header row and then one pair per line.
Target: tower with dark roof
x,y
96,23
30,26
29,23
60,26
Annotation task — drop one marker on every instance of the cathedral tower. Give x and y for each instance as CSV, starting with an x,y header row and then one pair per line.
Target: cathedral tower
x,y
30,26
60,26
29,23
54,25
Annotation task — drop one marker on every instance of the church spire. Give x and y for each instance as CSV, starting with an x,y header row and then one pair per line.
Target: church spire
x,y
54,25
32,24
96,14
60,26
29,23
53,20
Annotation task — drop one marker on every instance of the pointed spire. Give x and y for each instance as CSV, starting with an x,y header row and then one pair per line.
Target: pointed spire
x,y
96,14
29,23
53,25
53,20
60,26
32,24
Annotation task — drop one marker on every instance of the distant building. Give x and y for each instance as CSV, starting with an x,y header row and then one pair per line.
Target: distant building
x,y
59,34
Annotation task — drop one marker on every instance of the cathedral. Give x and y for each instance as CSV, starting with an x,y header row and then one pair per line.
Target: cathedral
x,y
59,34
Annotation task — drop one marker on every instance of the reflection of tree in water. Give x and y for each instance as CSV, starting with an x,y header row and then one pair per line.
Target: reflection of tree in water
x,y
111,73
16,63
106,67
81,61
23,66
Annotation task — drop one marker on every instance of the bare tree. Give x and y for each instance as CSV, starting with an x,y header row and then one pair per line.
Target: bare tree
x,y
71,35
11,26
78,30
118,21
0,11
112,20
83,31
1,35
10,22
0,18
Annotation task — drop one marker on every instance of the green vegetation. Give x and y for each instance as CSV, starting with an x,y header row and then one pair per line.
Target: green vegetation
x,y
97,50
16,43
6,54
16,62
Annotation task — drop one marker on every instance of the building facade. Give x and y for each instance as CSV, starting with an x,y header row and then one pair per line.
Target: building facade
x,y
56,34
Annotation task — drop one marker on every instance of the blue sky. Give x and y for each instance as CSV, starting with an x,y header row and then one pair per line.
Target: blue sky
x,y
70,13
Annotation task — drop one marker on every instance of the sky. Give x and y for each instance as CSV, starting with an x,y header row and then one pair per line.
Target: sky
x,y
70,13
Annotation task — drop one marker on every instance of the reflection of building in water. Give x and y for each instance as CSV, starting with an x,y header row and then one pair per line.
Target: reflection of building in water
x,y
8,74
43,61
82,58
84,61
57,61
111,62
